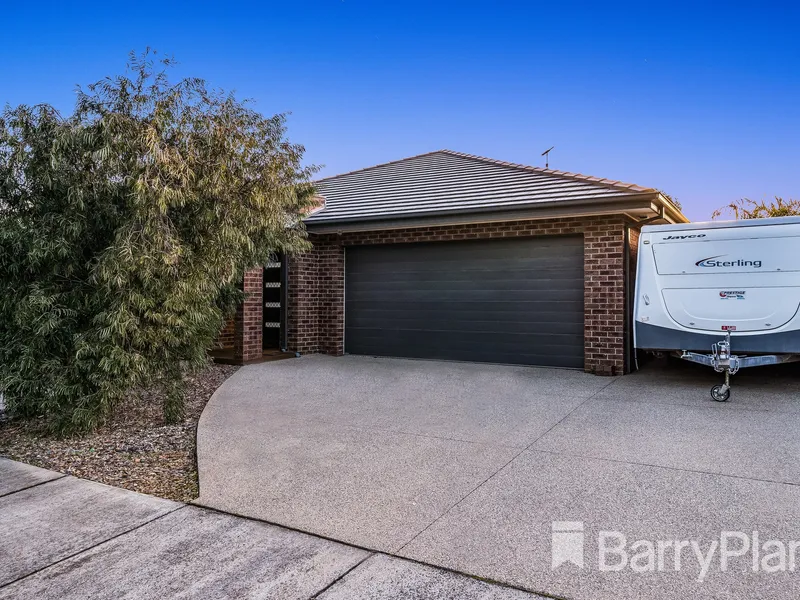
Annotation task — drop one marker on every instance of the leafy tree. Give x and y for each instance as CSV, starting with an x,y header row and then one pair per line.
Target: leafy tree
x,y
124,228
750,209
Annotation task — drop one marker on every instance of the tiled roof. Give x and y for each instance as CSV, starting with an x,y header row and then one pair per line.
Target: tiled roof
x,y
446,182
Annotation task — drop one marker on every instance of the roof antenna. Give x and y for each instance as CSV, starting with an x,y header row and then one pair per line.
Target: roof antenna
x,y
546,155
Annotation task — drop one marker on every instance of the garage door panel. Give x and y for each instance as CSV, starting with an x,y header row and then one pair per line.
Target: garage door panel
x,y
536,312
444,339
553,287
482,253
533,332
480,349
390,302
459,273
516,301
449,297
540,284
510,284
401,269
449,322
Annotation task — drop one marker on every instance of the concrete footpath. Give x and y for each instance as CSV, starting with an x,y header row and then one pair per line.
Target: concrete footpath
x,y
63,537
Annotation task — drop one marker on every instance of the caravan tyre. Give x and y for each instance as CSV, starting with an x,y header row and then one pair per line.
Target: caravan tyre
x,y
716,393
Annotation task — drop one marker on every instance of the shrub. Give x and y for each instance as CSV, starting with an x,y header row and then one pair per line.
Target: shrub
x,y
124,228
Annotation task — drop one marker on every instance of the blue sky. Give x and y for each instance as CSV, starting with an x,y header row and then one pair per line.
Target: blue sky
x,y
701,100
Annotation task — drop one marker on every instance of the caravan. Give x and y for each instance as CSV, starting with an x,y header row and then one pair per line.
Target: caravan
x,y
723,294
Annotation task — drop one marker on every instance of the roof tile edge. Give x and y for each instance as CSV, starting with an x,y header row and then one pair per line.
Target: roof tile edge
x,y
621,185
383,164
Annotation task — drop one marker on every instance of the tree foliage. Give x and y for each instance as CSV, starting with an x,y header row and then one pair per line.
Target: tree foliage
x,y
746,208
124,228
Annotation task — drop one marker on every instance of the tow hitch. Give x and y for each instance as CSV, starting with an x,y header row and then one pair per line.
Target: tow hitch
x,y
722,361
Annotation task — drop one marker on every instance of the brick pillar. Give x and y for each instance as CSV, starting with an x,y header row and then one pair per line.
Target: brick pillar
x,y
316,298
247,344
303,298
604,299
331,308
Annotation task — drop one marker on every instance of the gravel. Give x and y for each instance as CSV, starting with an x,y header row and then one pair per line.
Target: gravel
x,y
135,450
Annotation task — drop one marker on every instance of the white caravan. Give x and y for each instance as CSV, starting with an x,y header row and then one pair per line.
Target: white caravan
x,y
725,294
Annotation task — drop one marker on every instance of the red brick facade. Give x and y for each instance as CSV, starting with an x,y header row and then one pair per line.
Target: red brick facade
x,y
249,326
227,335
316,281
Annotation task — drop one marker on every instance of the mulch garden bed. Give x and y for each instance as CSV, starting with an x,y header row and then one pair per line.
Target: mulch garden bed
x,y
135,450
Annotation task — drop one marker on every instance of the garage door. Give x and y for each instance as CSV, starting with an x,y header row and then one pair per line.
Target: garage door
x,y
514,301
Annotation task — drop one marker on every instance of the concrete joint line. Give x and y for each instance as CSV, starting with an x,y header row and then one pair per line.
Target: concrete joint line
x,y
667,468
33,485
342,576
488,580
512,459
92,547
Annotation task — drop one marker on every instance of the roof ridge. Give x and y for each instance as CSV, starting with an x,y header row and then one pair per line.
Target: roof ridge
x,y
384,164
612,183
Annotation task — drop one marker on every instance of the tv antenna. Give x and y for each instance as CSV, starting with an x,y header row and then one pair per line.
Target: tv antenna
x,y
546,155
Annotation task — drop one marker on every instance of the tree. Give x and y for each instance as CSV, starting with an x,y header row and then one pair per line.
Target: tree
x,y
746,208
124,229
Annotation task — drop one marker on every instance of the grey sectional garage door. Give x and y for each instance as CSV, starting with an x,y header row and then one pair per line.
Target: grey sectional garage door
x,y
517,301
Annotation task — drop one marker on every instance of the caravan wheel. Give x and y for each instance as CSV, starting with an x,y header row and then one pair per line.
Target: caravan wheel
x,y
716,393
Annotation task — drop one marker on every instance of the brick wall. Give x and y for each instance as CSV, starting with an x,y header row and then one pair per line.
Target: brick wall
x,y
315,297
303,293
249,320
225,339
604,297
316,281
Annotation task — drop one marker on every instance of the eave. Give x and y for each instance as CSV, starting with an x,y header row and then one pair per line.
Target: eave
x,y
636,207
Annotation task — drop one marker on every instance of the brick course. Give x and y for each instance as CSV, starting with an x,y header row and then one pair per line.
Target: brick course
x,y
316,281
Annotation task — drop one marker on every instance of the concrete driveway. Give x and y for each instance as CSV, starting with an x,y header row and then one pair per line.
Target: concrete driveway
x,y
469,466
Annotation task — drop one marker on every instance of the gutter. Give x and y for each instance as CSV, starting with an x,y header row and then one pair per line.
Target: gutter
x,y
633,206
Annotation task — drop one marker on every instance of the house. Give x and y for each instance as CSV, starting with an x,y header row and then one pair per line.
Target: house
x,y
457,257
